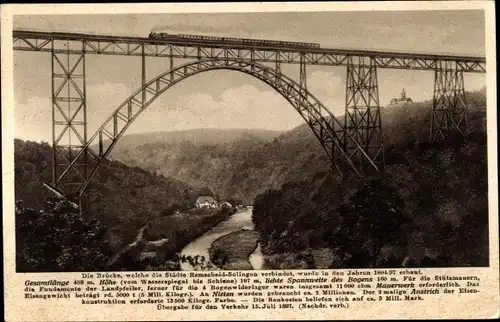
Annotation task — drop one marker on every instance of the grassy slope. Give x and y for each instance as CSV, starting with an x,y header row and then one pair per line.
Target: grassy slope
x,y
185,227
232,251
166,236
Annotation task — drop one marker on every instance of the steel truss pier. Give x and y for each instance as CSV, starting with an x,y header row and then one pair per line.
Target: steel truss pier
x,y
449,107
362,114
69,117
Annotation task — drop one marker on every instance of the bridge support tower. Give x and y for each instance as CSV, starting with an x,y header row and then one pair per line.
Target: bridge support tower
x,y
69,116
449,107
362,115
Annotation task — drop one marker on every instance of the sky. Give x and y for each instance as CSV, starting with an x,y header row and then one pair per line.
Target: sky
x,y
229,99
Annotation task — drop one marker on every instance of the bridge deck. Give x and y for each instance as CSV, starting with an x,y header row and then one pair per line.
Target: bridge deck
x,y
138,46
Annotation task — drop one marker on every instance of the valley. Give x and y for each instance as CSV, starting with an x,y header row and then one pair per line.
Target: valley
x,y
305,215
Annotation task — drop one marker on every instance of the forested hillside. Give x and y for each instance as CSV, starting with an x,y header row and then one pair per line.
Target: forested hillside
x,y
120,197
430,204
429,207
239,170
196,136
251,165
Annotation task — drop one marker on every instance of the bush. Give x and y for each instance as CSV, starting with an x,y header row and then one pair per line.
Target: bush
x,y
58,238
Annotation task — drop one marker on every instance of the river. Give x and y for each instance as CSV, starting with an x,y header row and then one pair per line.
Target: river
x,y
242,219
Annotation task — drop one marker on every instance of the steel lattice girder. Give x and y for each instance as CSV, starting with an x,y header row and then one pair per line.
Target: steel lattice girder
x,y
318,117
449,106
132,46
362,118
69,119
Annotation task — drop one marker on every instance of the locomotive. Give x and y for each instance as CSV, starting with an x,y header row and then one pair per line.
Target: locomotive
x,y
229,40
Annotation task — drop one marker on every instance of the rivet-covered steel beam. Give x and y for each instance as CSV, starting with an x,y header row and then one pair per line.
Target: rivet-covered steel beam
x,y
132,46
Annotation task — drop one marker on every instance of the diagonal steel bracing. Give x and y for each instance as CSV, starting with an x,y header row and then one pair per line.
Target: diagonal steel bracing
x,y
69,117
320,120
132,46
362,119
449,107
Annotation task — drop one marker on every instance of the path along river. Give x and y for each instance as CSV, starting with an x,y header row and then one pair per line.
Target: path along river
x,y
242,219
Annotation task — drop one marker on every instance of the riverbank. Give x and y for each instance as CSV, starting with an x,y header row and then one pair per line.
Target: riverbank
x,y
232,251
162,238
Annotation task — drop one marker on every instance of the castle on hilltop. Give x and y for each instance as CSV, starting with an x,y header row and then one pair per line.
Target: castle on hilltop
x,y
401,100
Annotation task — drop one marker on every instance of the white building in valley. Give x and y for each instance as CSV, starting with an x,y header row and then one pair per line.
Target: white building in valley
x,y
206,202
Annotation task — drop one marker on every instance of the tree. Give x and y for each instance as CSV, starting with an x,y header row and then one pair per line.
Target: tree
x,y
206,191
58,238
372,218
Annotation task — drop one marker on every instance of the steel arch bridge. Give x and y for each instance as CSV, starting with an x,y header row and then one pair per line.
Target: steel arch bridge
x,y
355,143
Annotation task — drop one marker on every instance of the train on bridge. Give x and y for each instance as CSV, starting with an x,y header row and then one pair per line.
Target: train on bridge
x,y
229,40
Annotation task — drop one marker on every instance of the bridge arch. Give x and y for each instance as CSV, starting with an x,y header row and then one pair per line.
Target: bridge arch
x,y
320,120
